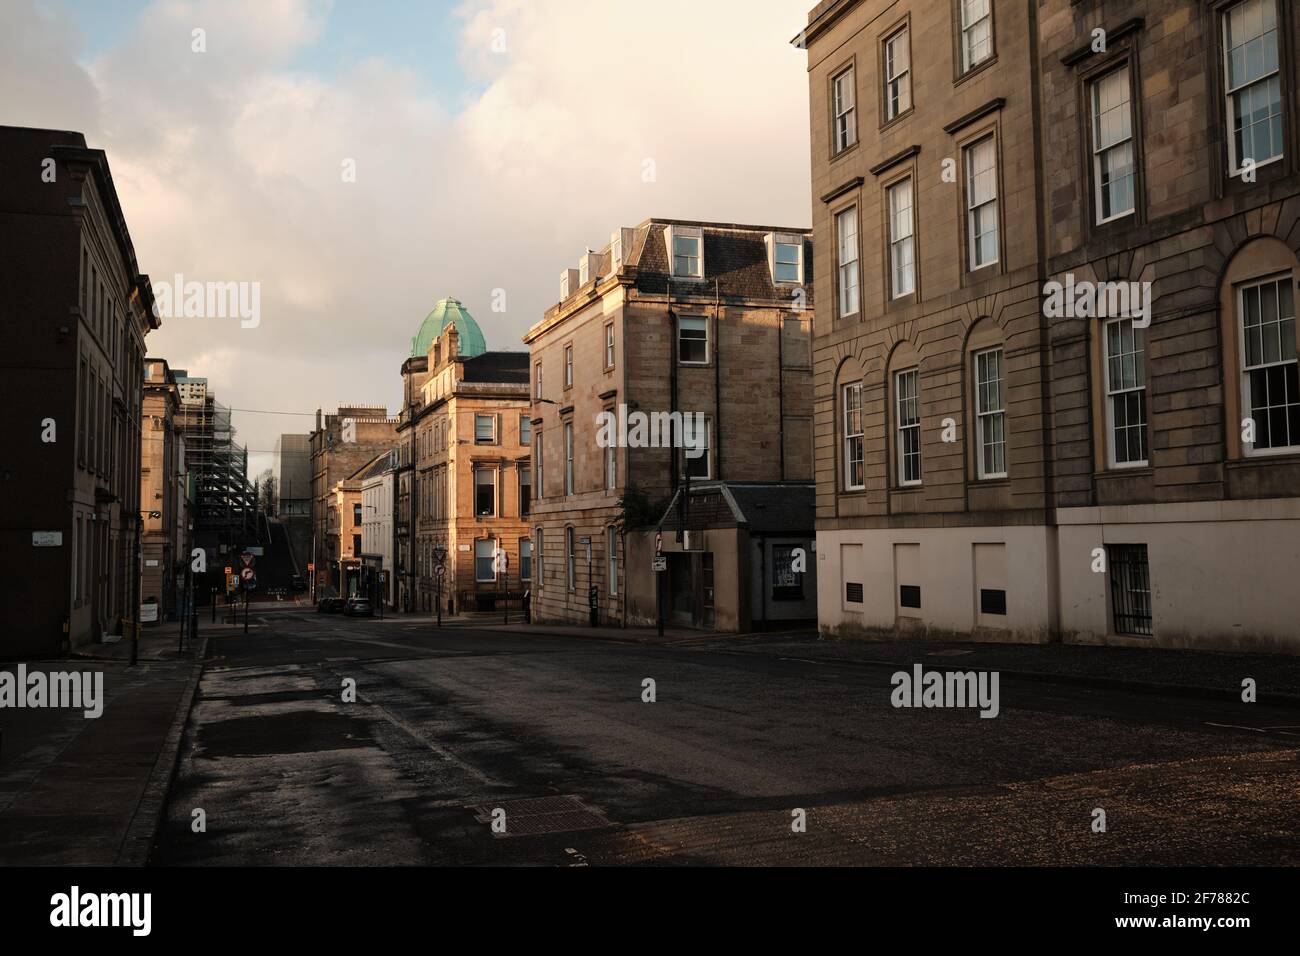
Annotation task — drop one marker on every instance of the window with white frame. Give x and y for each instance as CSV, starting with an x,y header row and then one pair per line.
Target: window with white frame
x,y
898,74
693,340
990,414
611,466
697,467
1254,83
687,252
568,366
1112,145
611,554
907,412
1126,403
976,32
844,106
541,556
537,381
525,431
539,462
485,550
525,559
570,560
609,345
982,203
1270,382
901,247
568,458
787,261
853,437
485,429
485,491
846,232
525,490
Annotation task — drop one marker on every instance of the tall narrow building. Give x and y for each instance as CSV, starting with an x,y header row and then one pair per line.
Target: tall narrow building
x,y
77,310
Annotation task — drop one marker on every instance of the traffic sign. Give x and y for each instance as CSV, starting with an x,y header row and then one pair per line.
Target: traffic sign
x,y
311,566
246,559
660,563
248,574
659,543
439,570
229,569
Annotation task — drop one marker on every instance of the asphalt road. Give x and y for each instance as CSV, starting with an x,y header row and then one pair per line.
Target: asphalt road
x,y
449,727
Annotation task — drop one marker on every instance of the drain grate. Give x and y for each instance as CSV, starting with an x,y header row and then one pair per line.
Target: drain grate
x,y
541,815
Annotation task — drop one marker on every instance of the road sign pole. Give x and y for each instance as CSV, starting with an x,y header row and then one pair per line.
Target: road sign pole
x,y
659,584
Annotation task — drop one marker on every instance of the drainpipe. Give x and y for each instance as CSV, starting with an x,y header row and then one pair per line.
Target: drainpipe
x,y
672,377
717,381
780,391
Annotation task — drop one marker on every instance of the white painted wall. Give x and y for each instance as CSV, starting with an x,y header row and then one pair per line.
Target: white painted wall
x,y
946,571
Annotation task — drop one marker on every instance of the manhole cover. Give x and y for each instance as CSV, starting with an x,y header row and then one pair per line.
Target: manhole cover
x,y
541,815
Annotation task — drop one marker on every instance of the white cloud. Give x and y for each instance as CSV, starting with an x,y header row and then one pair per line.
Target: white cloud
x,y
229,165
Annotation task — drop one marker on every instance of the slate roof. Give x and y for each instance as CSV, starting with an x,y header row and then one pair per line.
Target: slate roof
x,y
759,507
510,367
734,255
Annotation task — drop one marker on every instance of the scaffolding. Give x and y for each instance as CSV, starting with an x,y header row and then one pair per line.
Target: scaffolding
x,y
226,504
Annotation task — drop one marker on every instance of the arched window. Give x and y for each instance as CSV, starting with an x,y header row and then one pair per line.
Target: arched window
x,y
905,414
987,368
850,426
1262,377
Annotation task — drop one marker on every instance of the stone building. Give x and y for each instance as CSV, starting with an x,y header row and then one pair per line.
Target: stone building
x,y
164,494
377,538
672,317
1176,452
932,473
465,428
341,446
1045,251
77,310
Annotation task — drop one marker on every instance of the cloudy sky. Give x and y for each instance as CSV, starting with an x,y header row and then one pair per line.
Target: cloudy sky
x,y
493,141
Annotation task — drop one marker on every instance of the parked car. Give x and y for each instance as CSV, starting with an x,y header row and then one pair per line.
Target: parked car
x,y
330,605
359,607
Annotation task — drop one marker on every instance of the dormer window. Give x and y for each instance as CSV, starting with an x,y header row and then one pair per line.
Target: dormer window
x,y
620,245
588,267
686,247
785,257
568,283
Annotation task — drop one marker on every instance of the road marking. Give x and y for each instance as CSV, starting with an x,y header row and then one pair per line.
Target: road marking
x,y
440,751
1283,731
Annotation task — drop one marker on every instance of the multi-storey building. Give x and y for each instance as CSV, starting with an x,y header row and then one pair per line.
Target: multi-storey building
x,y
225,502
164,493
72,357
292,468
671,317
377,539
932,469
1018,437
467,429
342,445
1170,158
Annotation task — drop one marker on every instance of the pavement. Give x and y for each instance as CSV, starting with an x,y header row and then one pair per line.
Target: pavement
x,y
77,790
550,731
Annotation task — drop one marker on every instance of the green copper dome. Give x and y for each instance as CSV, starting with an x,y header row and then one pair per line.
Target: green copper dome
x,y
450,311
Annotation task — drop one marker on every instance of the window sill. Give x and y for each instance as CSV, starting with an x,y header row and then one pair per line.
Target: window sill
x,y
975,70
893,121
835,156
